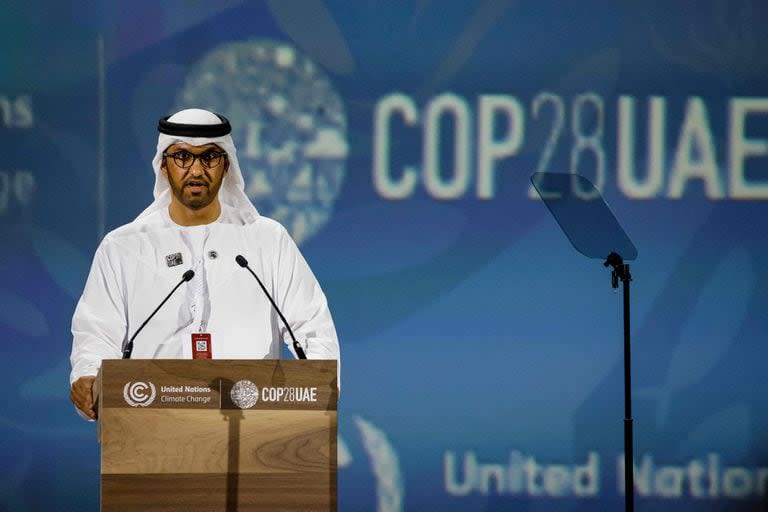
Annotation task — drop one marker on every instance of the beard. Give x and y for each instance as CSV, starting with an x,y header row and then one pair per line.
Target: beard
x,y
199,199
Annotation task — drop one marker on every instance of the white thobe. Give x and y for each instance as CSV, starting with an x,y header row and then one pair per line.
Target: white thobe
x,y
131,275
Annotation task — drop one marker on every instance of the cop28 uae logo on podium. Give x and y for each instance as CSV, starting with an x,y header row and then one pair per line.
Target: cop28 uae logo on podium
x,y
244,394
288,124
139,394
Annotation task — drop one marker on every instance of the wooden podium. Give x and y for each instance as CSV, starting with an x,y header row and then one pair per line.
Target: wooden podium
x,y
217,435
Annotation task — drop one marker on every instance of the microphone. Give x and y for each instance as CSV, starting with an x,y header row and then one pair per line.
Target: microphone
x,y
244,263
128,350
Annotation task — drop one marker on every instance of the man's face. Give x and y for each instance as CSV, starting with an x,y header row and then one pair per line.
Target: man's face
x,y
194,174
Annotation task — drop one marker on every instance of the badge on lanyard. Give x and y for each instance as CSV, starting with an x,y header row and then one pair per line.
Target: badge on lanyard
x,y
201,345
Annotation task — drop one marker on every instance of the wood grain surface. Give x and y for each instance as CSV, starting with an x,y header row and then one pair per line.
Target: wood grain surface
x,y
279,454
212,493
195,441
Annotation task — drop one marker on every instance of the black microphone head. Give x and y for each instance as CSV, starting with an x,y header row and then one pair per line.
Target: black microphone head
x,y
189,274
241,260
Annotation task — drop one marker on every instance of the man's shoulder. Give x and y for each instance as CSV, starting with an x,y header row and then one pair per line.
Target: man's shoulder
x,y
262,232
259,224
136,228
267,225
271,231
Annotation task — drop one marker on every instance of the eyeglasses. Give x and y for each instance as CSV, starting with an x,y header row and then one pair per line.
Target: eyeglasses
x,y
185,159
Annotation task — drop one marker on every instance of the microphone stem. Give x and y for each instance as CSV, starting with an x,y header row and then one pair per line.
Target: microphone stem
x,y
129,346
296,346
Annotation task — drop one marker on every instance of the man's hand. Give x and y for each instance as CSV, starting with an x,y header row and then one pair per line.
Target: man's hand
x,y
81,395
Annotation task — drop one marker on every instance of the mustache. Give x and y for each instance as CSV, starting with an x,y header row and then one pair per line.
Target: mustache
x,y
196,182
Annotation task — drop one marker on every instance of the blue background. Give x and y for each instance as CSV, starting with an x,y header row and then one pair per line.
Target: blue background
x,y
466,324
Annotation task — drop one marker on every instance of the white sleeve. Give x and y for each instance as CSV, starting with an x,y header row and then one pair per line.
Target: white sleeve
x,y
99,323
304,304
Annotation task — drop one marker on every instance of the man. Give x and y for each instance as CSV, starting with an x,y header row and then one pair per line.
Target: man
x,y
201,220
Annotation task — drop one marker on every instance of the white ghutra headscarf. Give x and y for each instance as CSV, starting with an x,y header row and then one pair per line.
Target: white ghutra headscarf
x,y
198,127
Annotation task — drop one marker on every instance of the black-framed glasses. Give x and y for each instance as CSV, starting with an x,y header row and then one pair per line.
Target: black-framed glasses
x,y
209,159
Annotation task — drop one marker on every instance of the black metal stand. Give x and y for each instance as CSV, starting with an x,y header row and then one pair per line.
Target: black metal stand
x,y
587,221
621,272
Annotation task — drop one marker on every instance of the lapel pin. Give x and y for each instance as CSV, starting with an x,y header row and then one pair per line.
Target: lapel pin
x,y
174,259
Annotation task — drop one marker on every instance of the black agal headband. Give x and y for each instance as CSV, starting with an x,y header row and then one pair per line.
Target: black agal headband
x,y
194,130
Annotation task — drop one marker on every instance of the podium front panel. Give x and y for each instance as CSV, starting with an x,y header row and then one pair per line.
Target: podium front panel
x,y
218,435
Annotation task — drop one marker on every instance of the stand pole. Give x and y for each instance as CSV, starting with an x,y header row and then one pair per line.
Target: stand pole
x,y
621,273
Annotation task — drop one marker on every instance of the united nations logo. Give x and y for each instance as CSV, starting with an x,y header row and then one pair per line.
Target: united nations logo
x,y
288,123
244,394
139,394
